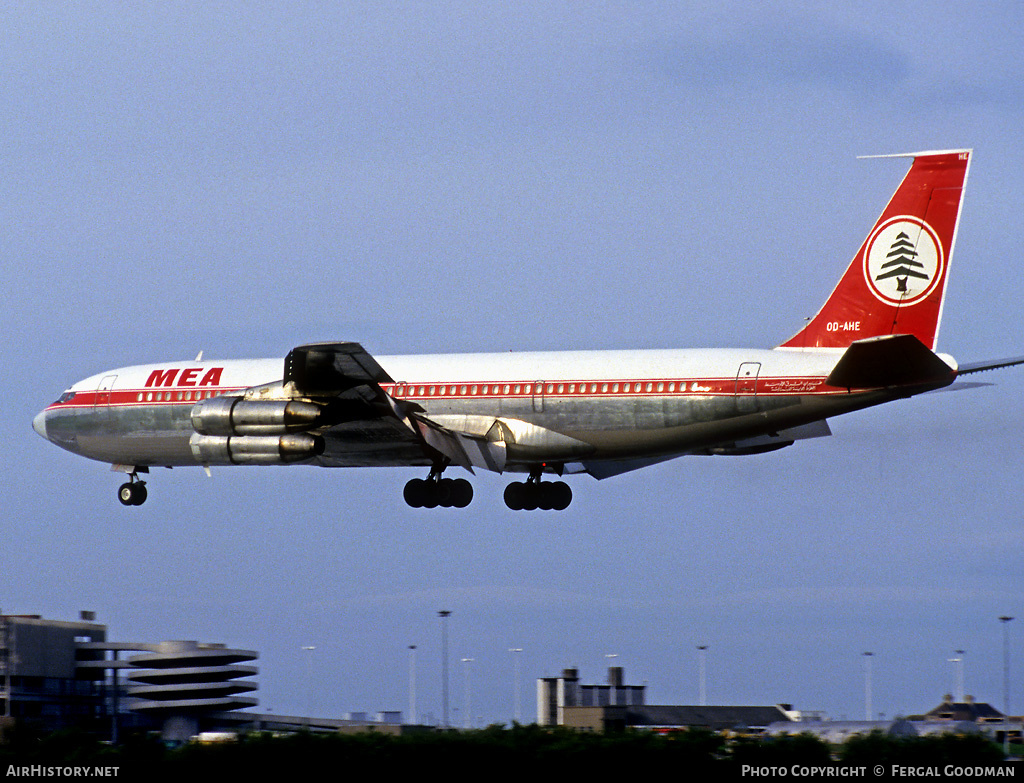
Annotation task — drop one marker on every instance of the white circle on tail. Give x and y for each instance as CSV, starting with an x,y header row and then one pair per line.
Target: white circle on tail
x,y
903,261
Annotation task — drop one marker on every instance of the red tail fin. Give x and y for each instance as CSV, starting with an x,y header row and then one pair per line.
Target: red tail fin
x,y
897,281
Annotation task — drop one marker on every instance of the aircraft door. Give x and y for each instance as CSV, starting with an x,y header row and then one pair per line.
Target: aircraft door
x,y
538,396
101,405
746,386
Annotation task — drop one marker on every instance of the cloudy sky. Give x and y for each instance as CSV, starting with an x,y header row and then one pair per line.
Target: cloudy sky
x,y
431,177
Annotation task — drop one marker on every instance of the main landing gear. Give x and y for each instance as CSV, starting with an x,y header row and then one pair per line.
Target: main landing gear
x,y
435,491
133,493
534,493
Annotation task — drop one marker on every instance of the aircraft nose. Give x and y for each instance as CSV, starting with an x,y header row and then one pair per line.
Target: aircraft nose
x,y
39,424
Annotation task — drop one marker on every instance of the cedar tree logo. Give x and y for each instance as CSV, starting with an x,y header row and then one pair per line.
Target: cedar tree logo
x,y
903,261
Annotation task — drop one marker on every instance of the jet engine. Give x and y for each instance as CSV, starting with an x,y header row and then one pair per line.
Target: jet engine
x,y
255,449
239,416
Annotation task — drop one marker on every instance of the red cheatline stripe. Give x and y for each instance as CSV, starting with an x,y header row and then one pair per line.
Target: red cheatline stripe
x,y
778,386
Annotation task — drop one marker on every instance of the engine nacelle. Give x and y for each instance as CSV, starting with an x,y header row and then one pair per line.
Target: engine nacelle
x,y
239,416
255,449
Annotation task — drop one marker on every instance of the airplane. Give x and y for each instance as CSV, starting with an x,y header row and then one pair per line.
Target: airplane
x,y
548,414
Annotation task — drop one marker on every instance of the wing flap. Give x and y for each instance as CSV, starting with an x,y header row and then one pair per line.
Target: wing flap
x,y
460,448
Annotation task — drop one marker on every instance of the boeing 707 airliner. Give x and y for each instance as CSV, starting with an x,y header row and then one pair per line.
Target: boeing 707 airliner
x,y
547,414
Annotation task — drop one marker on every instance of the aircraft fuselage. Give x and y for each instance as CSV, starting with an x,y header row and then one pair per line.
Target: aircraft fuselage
x,y
593,405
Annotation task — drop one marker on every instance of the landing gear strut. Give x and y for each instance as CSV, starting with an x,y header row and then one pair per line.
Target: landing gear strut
x,y
435,491
534,493
133,493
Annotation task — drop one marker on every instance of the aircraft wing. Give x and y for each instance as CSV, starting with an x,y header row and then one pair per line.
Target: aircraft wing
x,y
369,424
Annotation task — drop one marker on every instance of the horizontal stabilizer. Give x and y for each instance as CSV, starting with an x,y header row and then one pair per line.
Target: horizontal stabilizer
x,y
995,364
893,360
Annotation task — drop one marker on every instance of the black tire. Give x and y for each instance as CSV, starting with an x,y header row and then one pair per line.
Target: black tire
x,y
531,497
515,495
431,496
415,492
126,494
141,493
462,493
445,492
562,496
132,494
545,492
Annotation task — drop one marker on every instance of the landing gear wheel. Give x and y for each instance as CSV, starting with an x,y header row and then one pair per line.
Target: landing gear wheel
x,y
514,495
561,496
133,493
462,493
534,494
434,492
415,493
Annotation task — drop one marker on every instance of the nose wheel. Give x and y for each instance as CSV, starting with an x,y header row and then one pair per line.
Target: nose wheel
x,y
133,493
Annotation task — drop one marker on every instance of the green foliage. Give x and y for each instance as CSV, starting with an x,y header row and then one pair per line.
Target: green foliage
x,y
524,749
937,750
781,751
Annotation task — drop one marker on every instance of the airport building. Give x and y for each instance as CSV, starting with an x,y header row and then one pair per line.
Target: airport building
x,y
56,674
40,678
556,696
615,706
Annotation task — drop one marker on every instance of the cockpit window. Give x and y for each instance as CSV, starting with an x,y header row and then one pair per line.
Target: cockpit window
x,y
66,396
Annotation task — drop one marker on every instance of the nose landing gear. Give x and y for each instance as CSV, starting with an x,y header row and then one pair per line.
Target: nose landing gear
x,y
133,493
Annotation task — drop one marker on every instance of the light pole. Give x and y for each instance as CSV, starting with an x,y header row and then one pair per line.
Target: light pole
x,y
518,717
412,684
309,648
702,674
468,705
867,685
444,614
1005,620
959,661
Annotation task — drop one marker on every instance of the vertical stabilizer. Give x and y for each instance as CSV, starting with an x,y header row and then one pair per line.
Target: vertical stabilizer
x,y
896,283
